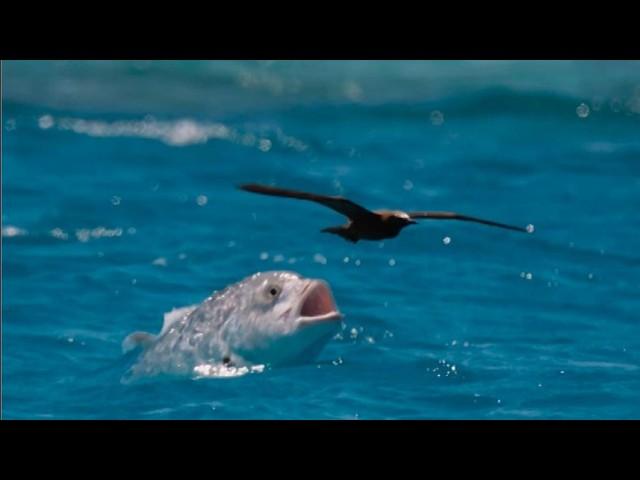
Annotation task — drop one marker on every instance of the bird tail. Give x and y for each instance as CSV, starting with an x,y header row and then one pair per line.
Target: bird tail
x,y
341,231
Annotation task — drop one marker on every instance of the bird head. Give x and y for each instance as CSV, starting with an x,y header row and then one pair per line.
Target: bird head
x,y
397,218
402,218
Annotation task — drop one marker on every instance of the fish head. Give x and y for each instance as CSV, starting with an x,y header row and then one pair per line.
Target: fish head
x,y
285,318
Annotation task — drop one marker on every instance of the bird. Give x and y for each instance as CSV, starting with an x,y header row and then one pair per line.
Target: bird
x,y
367,224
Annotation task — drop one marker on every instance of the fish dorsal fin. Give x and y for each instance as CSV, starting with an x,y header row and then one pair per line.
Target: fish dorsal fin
x,y
135,340
174,315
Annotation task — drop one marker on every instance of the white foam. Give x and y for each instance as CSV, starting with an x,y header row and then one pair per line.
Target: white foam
x,y
206,370
11,231
85,234
176,133
59,233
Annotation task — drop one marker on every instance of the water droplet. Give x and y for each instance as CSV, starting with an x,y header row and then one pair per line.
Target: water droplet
x,y
561,372
590,276
10,125
392,262
83,235
134,281
345,259
264,145
278,258
45,122
437,118
160,262
319,258
115,200
182,256
465,344
131,230
529,276
59,233
446,240
264,256
531,228
582,110
202,200
357,262
407,185
352,91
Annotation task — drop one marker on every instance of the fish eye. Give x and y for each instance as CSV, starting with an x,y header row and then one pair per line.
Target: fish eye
x,y
274,291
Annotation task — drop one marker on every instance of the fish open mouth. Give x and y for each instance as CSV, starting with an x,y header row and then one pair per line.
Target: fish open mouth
x,y
318,305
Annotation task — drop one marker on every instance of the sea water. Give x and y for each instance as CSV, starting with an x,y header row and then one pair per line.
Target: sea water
x,y
119,203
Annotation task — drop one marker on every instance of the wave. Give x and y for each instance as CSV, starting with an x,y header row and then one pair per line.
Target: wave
x,y
222,87
175,133
82,235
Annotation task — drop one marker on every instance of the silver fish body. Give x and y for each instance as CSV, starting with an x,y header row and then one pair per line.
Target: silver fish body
x,y
269,318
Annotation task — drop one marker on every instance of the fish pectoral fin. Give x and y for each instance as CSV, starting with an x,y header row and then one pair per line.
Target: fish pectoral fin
x,y
137,340
176,314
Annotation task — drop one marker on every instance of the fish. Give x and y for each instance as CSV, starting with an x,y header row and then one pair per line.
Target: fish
x,y
270,318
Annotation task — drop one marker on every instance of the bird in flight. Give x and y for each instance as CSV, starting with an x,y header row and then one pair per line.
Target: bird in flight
x,y
366,224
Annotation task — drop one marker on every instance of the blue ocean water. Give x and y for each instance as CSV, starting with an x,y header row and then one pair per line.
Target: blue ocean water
x,y
119,203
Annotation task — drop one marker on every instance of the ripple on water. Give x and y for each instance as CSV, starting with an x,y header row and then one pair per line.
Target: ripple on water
x,y
443,298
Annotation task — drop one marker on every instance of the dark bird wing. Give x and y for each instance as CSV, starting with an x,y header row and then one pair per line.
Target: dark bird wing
x,y
339,204
466,218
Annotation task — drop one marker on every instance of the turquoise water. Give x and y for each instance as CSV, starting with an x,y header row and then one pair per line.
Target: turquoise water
x,y
119,203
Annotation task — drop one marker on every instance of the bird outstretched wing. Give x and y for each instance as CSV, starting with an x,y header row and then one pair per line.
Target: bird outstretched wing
x,y
339,204
466,218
